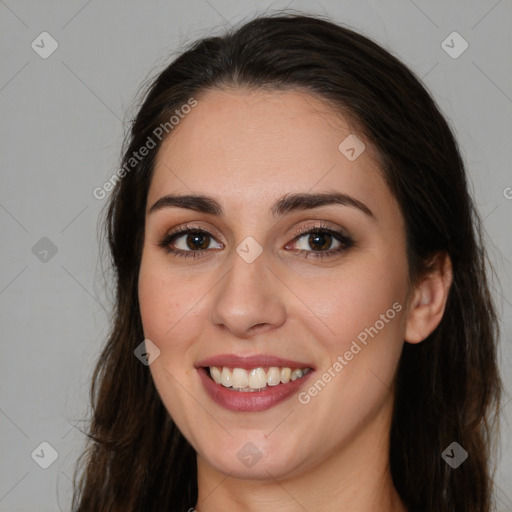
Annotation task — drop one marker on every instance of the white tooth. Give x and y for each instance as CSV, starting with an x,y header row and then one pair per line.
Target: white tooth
x,y
273,376
239,378
226,377
257,378
306,370
285,375
296,374
215,374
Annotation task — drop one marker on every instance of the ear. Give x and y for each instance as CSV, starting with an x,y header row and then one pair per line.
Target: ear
x,y
429,299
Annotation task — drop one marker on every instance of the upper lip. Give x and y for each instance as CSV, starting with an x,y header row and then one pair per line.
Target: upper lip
x,y
252,361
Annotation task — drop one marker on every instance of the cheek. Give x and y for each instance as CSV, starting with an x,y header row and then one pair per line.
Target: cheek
x,y
166,304
361,330
356,301
156,303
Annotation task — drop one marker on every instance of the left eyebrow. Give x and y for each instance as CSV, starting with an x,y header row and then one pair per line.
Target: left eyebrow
x,y
286,204
306,201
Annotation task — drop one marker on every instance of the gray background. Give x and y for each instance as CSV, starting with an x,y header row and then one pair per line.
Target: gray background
x,y
63,119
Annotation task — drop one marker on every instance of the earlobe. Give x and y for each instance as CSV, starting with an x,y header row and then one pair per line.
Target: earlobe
x,y
429,300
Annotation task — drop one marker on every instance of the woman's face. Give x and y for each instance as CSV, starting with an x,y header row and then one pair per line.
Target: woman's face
x,y
266,282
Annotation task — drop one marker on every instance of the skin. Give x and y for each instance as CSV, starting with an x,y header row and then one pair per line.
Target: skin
x,y
247,149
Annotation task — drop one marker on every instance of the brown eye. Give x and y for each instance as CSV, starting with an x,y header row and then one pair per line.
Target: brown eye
x,y
320,241
317,241
197,241
188,242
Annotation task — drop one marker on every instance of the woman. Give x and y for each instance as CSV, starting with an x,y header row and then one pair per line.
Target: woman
x,y
303,317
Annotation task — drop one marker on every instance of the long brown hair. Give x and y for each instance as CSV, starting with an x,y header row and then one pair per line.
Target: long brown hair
x,y
448,387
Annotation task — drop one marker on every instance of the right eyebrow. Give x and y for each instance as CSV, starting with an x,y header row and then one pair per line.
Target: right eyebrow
x,y
198,203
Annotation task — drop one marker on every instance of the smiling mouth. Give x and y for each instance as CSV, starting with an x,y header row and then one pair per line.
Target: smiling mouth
x,y
255,379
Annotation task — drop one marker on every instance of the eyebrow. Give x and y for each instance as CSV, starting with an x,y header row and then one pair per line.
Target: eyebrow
x,y
286,204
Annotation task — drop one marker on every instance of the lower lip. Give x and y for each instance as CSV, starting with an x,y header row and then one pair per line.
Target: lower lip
x,y
251,401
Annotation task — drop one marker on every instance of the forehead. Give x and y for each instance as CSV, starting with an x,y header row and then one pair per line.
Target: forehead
x,y
249,147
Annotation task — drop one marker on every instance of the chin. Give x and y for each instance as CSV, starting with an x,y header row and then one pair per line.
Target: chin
x,y
242,458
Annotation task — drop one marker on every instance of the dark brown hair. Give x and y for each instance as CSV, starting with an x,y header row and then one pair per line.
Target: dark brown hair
x,y
448,387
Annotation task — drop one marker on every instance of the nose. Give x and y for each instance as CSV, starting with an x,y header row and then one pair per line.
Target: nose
x,y
249,299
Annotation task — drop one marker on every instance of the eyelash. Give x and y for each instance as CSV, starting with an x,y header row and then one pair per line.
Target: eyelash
x,y
345,241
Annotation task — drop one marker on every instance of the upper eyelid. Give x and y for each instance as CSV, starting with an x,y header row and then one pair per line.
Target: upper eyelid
x,y
184,230
299,231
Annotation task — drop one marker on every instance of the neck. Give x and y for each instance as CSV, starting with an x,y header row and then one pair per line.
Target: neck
x,y
355,477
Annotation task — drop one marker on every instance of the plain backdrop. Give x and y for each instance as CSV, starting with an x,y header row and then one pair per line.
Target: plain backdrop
x,y
62,122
